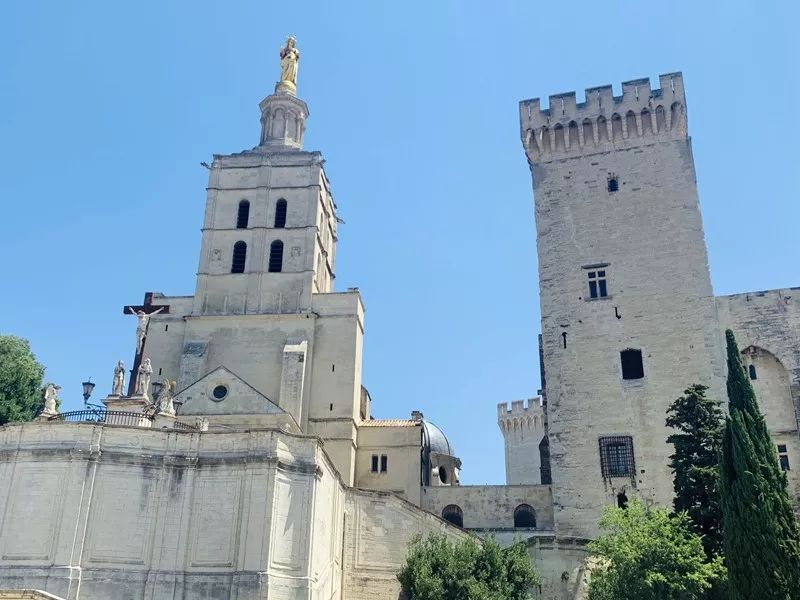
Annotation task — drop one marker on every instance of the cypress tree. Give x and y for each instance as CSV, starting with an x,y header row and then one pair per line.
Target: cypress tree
x,y
698,420
760,533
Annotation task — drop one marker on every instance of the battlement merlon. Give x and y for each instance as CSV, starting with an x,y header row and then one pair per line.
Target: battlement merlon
x,y
519,408
600,101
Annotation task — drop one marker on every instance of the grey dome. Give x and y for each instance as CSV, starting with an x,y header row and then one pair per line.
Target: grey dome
x,y
435,440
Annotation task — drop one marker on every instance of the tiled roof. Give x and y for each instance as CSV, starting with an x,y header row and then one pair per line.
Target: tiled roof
x,y
390,423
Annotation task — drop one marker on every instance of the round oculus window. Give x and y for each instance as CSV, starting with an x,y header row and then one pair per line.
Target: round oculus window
x,y
219,392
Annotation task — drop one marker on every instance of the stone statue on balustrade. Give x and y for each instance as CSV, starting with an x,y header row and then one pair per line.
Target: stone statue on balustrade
x,y
51,400
143,376
118,387
163,402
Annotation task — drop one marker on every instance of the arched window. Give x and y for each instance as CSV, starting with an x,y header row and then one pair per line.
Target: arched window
x,y
544,462
544,133
632,366
244,215
661,119
647,122
276,256
752,370
630,123
453,514
560,143
602,129
280,213
675,115
239,257
616,127
574,142
588,134
524,516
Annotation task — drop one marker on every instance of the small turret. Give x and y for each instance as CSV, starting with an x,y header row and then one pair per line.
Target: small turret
x,y
523,430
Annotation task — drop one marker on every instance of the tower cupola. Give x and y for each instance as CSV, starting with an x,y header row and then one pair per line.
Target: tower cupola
x,y
283,114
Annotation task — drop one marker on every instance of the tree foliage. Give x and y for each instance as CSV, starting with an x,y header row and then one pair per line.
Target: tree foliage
x,y
648,554
699,422
760,533
20,380
437,569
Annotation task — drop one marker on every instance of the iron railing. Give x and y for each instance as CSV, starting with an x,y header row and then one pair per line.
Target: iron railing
x,y
107,417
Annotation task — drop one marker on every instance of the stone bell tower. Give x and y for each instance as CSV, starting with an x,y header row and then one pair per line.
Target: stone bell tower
x,y
628,314
264,340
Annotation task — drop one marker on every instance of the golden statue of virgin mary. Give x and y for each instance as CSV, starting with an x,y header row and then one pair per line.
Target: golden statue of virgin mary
x,y
290,56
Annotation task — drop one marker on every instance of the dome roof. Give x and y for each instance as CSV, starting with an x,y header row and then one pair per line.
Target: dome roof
x,y
435,439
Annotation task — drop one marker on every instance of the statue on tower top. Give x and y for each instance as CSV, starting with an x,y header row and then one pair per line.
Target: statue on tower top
x,y
290,56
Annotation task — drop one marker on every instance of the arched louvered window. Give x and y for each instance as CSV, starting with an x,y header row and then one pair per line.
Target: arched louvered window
x,y
239,257
244,215
524,516
280,213
453,514
276,256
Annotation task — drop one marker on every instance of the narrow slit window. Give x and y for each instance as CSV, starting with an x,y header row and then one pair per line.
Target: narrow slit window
x,y
632,366
280,213
374,463
244,215
598,286
752,370
613,183
239,257
384,463
276,256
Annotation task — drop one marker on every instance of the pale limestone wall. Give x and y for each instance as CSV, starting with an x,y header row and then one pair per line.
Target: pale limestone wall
x,y
492,506
401,445
523,430
26,595
378,528
129,513
649,236
767,329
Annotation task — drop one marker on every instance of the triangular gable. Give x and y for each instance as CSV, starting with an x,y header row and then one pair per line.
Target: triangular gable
x,y
222,392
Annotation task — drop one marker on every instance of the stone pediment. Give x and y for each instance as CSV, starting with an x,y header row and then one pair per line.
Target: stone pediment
x,y
222,392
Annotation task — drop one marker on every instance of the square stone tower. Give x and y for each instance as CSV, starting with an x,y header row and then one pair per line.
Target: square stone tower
x,y
628,314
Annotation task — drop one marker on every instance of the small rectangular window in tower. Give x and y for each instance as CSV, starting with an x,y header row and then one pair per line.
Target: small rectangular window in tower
x,y
783,457
374,463
632,366
598,286
616,456
384,463
613,183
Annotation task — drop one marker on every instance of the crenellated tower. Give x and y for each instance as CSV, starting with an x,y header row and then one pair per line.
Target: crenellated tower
x,y
523,428
628,313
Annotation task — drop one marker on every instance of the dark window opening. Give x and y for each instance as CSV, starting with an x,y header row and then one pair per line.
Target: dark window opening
x,y
616,457
783,457
166,327
632,366
159,370
239,256
613,184
384,463
280,213
453,514
544,461
622,500
331,408
243,215
564,338
524,516
374,463
752,370
276,256
598,287
442,474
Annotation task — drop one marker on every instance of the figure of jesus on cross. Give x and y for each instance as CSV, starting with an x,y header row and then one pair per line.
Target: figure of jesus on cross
x,y
143,314
141,328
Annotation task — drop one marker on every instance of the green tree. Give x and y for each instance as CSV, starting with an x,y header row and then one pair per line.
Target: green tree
x,y
437,569
760,533
648,554
20,380
699,422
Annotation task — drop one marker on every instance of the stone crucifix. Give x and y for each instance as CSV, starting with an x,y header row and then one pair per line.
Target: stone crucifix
x,y
143,314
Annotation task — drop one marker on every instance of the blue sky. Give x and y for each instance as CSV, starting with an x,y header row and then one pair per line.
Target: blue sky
x,y
108,108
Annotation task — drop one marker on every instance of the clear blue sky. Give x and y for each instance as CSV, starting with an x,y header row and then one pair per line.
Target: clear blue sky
x,y
108,108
